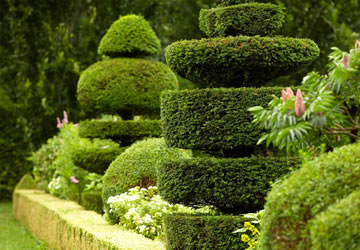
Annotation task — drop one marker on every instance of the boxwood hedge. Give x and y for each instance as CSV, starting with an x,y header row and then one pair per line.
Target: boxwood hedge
x,y
308,192
214,120
92,200
231,185
203,232
240,61
124,132
131,36
125,86
338,227
245,19
222,3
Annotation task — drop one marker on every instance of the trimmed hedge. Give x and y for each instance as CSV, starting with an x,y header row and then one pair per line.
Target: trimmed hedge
x,y
213,120
96,157
125,132
231,185
338,227
245,19
224,3
91,200
26,182
203,232
125,86
308,192
130,36
137,166
239,61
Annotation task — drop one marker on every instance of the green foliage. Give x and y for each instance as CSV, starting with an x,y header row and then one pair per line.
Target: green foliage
x,y
337,227
26,182
246,19
332,108
13,147
96,156
214,120
222,3
137,166
125,86
91,200
231,185
314,188
203,232
130,36
143,211
124,132
239,61
252,227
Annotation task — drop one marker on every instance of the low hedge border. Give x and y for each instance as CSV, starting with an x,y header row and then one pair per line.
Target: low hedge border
x,y
214,119
245,19
203,232
231,185
66,225
124,132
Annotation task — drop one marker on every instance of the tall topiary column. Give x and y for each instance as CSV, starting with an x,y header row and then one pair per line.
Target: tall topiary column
x,y
229,69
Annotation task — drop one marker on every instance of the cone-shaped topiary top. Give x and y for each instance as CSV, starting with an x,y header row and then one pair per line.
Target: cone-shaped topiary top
x,y
129,36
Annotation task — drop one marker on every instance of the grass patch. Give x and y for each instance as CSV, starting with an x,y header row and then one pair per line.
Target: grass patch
x,y
13,235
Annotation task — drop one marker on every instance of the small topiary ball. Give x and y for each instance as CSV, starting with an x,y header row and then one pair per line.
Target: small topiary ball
x,y
130,36
137,166
125,86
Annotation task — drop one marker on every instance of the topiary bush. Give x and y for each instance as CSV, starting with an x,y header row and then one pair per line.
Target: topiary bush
x,y
124,86
91,200
124,132
129,36
26,182
213,120
137,166
308,192
245,19
96,156
338,226
231,185
239,61
186,231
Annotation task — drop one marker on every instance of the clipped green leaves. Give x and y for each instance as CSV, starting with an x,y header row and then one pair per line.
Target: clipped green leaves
x,y
130,36
124,86
239,61
245,19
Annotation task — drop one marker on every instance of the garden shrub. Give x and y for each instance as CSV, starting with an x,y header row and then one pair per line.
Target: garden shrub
x,y
239,61
14,147
26,182
231,185
246,19
130,35
308,192
137,166
91,200
96,156
214,120
186,231
338,226
125,86
124,132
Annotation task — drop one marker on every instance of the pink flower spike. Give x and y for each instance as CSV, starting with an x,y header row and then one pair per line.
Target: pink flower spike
x,y
73,179
65,120
357,44
346,61
283,95
299,104
289,92
76,125
59,124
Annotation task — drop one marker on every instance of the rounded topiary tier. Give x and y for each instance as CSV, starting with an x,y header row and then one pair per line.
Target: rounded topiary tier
x,y
216,120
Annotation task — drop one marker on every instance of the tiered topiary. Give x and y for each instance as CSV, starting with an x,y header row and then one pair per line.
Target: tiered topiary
x,y
228,69
123,84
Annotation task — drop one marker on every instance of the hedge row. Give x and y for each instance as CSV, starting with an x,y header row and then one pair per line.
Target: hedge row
x,y
124,132
245,19
96,159
203,232
91,200
231,185
130,36
213,120
239,61
338,227
312,190
224,3
125,86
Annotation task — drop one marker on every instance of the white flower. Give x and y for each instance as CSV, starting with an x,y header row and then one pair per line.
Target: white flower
x,y
142,228
147,218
